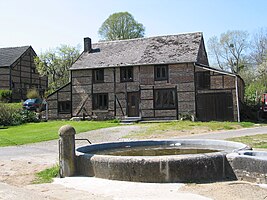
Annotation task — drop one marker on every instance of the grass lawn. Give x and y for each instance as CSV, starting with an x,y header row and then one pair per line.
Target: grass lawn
x,y
43,131
254,141
185,127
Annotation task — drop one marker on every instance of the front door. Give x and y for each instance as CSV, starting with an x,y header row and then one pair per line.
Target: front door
x,y
133,104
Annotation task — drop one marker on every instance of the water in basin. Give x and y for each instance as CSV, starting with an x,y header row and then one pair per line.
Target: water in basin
x,y
157,150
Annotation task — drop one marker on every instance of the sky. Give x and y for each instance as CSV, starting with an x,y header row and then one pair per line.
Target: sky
x,y
46,24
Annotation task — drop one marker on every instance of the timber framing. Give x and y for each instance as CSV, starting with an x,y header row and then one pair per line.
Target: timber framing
x,y
18,72
150,78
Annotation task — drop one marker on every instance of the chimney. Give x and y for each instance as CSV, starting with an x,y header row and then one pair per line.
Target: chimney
x,y
87,44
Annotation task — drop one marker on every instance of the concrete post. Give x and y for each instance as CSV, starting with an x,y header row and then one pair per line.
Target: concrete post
x,y
67,161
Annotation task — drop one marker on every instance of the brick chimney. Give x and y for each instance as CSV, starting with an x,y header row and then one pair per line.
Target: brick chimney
x,y
87,44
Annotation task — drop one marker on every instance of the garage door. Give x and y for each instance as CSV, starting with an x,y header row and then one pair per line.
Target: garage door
x,y
215,106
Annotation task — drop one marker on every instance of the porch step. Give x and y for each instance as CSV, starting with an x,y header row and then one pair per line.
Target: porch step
x,y
130,120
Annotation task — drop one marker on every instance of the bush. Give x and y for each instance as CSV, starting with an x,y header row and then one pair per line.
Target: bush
x,y
32,94
28,116
6,113
5,95
11,115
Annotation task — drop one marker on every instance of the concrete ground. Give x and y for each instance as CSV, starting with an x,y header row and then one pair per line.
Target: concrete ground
x,y
18,163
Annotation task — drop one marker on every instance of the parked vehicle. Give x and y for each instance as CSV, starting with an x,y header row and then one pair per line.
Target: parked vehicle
x,y
34,104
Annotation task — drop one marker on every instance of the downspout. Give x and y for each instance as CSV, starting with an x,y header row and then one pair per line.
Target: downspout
x,y
237,99
10,82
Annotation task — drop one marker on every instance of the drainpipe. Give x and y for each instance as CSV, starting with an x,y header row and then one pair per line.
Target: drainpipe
x,y
237,98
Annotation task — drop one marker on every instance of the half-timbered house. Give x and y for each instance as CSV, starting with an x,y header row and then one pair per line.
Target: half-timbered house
x,y
162,77
18,72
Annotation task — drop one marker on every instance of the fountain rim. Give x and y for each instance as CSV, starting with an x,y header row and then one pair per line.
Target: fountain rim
x,y
235,146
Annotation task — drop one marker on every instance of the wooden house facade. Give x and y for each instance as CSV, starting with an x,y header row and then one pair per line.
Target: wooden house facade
x,y
18,72
164,77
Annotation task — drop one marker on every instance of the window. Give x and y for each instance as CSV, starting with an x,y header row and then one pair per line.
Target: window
x,y
164,98
161,72
33,70
64,107
98,76
203,80
100,101
126,74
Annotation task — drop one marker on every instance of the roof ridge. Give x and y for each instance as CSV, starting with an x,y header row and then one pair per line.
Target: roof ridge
x,y
145,38
15,47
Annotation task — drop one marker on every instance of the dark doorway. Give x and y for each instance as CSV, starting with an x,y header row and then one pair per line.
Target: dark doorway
x,y
215,106
133,104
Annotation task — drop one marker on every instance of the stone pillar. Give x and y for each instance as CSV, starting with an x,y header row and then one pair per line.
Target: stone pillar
x,y
67,161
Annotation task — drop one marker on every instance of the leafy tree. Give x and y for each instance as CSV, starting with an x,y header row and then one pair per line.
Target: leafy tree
x,y
120,26
55,64
229,50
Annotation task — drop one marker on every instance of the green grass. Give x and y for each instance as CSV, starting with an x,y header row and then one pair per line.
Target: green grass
x,y
161,128
254,141
47,175
44,131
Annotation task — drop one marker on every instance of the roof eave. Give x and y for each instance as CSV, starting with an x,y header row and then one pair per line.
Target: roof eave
x,y
127,65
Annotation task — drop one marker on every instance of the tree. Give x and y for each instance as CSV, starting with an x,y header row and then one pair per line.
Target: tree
x,y
259,46
55,64
229,50
120,26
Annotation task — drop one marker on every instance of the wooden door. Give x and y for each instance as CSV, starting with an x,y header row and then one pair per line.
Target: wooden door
x,y
215,106
133,104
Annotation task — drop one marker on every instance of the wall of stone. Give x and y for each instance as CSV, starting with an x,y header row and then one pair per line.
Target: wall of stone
x,y
181,78
63,94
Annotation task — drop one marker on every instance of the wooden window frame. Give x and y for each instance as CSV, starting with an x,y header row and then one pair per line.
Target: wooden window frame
x,y
64,105
203,80
164,97
127,74
98,76
100,101
160,69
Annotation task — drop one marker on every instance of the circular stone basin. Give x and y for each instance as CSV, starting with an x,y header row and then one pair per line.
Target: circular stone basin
x,y
158,160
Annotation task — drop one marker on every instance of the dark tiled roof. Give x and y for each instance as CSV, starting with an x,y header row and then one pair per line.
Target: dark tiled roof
x,y
143,51
9,55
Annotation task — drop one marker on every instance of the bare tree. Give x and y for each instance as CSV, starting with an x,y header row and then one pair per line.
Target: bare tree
x,y
229,50
259,46
214,46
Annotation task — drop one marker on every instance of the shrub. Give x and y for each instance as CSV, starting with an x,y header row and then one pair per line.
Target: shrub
x,y
12,115
6,113
32,94
28,116
5,95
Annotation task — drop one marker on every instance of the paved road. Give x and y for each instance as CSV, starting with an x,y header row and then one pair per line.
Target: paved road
x,y
222,135
50,148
